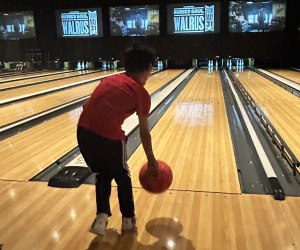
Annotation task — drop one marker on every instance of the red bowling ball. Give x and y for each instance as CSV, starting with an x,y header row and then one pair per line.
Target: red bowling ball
x,y
156,184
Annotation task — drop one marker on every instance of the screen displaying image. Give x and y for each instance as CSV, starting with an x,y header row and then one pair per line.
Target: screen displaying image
x,y
262,16
194,18
79,23
134,20
17,25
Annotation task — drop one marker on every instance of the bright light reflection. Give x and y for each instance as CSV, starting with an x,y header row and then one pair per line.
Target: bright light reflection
x,y
88,197
170,244
73,214
55,236
12,193
194,114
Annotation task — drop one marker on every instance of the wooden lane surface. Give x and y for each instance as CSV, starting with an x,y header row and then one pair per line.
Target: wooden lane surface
x,y
48,85
193,137
35,216
20,110
16,74
17,77
280,106
13,73
43,78
156,80
288,74
24,155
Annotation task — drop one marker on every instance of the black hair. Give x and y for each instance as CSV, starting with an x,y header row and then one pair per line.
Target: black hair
x,y
138,57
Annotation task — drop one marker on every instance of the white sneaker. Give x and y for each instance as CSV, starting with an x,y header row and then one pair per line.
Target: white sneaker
x,y
128,224
99,225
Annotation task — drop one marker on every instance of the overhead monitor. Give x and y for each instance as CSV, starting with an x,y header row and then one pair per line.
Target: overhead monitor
x,y
257,16
17,25
134,20
193,18
79,23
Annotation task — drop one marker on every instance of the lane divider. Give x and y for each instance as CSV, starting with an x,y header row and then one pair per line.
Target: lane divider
x,y
36,76
49,80
286,152
282,79
41,114
37,93
286,84
278,191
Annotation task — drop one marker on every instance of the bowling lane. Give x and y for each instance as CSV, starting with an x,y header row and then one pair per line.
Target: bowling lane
x,y
13,73
23,82
193,137
288,74
17,77
156,80
21,110
13,93
183,220
280,106
24,155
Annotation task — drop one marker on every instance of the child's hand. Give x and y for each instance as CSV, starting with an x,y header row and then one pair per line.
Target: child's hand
x,y
152,167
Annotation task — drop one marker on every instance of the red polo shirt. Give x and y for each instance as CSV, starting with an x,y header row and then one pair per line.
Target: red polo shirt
x,y
115,98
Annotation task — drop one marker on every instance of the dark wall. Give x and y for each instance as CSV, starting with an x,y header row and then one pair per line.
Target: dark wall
x,y
274,48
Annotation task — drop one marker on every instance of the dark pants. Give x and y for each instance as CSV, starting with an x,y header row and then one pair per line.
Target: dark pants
x,y
107,158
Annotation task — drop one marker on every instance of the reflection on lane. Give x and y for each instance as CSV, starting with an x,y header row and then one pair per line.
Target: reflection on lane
x,y
194,114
